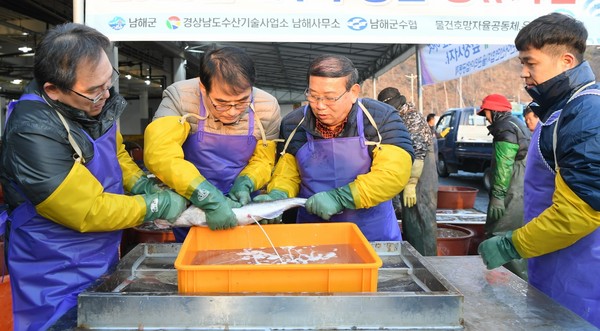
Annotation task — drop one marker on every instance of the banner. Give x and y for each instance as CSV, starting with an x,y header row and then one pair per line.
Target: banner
x,y
441,62
350,21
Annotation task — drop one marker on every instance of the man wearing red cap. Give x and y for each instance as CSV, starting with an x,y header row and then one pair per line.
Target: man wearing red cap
x,y
511,140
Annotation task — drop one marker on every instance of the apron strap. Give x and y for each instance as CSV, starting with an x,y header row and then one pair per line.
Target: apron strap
x,y
26,210
365,111
263,135
78,157
289,139
372,121
184,118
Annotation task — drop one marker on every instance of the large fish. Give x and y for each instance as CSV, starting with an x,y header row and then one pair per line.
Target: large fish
x,y
256,211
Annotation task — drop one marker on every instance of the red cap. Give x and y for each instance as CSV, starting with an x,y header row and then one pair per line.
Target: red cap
x,y
495,102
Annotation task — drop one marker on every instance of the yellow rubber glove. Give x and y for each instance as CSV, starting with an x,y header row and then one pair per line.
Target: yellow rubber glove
x,y
444,132
410,190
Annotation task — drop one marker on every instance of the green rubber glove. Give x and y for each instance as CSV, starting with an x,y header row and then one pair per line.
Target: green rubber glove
x,y
215,205
328,203
273,195
232,204
145,185
498,250
166,205
241,189
496,208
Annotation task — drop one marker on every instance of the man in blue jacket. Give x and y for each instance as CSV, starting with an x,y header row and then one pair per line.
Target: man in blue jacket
x,y
348,156
65,172
562,177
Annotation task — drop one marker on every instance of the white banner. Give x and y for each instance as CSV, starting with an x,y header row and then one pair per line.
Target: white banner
x,y
441,62
352,21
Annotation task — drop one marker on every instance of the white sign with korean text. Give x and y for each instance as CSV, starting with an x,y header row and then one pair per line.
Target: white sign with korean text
x,y
352,21
442,62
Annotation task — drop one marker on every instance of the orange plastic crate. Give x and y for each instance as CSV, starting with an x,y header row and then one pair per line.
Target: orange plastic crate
x,y
270,278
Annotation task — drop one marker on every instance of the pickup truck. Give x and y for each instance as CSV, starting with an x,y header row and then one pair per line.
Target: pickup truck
x,y
464,143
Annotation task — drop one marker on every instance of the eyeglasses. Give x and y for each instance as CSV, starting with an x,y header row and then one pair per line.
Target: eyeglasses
x,y
113,80
329,101
226,107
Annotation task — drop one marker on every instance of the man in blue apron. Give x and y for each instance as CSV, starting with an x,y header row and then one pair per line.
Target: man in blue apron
x,y
562,177
64,172
348,156
213,135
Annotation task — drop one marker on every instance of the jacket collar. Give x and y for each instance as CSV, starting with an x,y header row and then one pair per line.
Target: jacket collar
x,y
95,126
553,94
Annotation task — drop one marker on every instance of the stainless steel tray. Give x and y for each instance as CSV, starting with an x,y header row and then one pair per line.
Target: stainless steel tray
x,y
460,216
142,294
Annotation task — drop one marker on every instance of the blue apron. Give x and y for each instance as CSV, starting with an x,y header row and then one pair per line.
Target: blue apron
x,y
50,264
326,164
219,158
567,275
9,110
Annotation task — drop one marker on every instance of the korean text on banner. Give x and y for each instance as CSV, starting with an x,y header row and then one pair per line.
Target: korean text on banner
x,y
442,62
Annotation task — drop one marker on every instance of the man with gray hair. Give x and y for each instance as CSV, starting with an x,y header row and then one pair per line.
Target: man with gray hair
x,y
348,156
65,170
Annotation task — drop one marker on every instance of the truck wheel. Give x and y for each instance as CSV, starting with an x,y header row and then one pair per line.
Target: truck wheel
x,y
487,179
442,168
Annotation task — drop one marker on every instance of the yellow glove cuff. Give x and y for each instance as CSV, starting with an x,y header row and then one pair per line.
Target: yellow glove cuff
x,y
260,166
417,169
286,176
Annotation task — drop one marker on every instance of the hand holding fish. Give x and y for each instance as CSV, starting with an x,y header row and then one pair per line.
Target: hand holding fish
x,y
256,211
271,196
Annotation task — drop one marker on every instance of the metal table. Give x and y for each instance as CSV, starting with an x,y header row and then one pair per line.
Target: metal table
x,y
509,303
414,292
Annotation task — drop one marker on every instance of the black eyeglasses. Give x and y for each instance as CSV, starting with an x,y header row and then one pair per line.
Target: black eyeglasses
x,y
226,107
329,101
97,98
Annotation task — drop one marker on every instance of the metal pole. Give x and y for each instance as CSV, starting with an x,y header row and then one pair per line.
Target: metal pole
x,y
375,87
412,86
460,95
419,80
79,11
446,95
